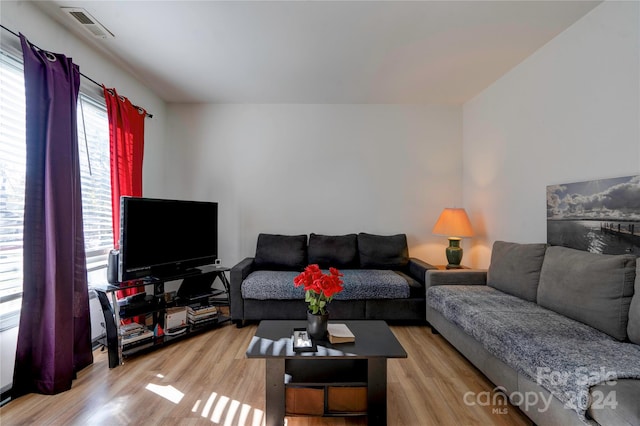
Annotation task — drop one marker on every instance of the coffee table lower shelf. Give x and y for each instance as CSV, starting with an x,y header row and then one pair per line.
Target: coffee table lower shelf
x,y
367,394
326,387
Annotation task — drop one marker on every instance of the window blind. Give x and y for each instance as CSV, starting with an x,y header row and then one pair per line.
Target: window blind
x,y
12,174
95,175
93,145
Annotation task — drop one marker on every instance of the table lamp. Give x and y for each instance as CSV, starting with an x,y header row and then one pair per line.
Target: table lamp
x,y
454,224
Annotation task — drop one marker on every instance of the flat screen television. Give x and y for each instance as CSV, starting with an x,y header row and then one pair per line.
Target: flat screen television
x,y
164,238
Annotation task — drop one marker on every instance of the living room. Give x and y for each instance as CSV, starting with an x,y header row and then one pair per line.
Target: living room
x,y
569,111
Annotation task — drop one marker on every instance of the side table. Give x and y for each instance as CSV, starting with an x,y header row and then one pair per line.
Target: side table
x,y
446,268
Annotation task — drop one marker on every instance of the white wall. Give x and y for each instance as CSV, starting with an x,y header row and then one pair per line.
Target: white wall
x,y
568,113
24,17
329,169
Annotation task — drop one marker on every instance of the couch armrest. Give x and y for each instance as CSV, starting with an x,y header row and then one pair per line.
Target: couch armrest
x,y
456,277
238,273
417,269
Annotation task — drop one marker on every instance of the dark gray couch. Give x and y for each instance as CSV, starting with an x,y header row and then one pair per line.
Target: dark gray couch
x,y
556,329
381,281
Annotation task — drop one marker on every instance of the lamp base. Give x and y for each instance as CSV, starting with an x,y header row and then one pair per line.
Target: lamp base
x,y
454,267
454,253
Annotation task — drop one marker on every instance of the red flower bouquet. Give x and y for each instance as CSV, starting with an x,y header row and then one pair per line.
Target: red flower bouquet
x,y
319,287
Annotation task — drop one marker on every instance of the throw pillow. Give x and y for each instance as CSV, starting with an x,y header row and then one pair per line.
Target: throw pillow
x,y
633,328
339,251
382,251
281,252
515,268
595,289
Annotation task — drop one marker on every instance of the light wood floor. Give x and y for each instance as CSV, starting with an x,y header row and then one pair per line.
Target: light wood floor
x,y
206,380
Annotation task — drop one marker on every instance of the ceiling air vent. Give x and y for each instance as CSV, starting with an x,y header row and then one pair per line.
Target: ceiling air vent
x,y
86,21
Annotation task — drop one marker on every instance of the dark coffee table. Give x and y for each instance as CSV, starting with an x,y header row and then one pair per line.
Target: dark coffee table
x,y
362,363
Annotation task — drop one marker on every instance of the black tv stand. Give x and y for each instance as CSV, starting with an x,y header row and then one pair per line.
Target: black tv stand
x,y
195,294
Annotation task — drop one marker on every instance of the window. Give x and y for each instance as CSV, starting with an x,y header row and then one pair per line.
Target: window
x,y
12,174
95,175
93,142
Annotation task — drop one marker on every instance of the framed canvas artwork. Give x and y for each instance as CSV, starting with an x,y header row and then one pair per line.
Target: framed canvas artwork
x,y
600,216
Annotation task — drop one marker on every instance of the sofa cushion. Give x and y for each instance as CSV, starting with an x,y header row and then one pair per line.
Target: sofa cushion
x,y
416,289
382,251
339,251
633,328
515,268
269,285
281,252
623,409
358,284
541,344
595,289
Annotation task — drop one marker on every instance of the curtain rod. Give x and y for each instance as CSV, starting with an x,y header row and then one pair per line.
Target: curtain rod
x,y
85,76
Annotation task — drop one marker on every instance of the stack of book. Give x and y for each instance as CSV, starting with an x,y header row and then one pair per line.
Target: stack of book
x,y
202,315
134,335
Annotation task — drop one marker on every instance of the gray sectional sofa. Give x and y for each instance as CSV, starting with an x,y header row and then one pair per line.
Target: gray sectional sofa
x,y
556,330
381,281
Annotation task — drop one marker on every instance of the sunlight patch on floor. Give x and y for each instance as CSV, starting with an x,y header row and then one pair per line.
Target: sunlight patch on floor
x,y
224,410
167,392
113,411
219,409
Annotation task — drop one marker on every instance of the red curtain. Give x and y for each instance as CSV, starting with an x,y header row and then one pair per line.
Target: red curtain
x,y
126,137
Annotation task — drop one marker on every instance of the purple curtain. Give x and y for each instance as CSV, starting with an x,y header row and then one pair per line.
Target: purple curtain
x,y
54,337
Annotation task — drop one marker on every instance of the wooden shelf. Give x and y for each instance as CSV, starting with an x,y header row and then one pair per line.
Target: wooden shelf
x,y
326,388
324,372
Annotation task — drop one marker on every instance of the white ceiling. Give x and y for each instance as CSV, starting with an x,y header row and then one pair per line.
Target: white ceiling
x,y
322,51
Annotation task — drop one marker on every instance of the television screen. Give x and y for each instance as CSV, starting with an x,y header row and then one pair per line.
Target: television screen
x,y
162,238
